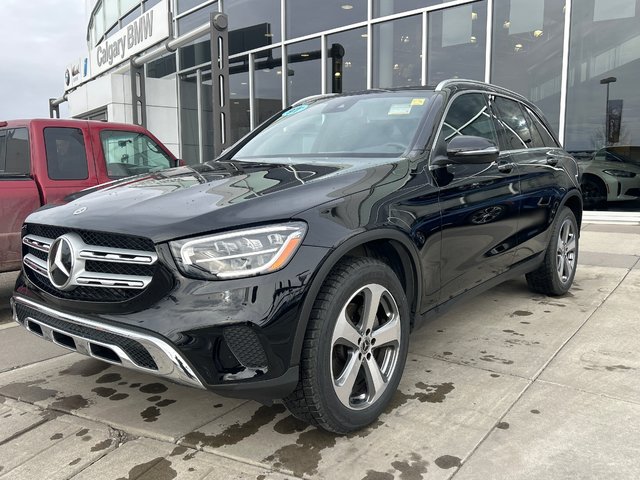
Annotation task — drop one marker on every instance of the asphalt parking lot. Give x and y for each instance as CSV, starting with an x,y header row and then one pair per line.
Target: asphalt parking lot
x,y
508,385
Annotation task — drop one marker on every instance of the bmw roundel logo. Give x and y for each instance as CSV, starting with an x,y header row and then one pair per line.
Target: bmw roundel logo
x,y
60,263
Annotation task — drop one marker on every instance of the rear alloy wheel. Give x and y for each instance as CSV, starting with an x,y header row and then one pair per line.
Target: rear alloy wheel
x,y
555,275
355,347
594,193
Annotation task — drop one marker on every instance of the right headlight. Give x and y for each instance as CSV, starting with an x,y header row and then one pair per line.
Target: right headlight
x,y
620,173
241,253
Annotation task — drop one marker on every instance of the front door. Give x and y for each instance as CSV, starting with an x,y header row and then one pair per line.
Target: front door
x,y
478,203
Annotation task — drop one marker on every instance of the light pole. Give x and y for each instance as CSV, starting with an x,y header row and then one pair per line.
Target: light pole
x,y
607,81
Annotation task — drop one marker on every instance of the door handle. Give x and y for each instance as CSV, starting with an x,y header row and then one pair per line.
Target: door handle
x,y
552,160
505,167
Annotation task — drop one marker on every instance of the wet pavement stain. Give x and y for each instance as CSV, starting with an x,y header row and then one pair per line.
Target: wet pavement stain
x,y
495,375
154,388
74,462
70,402
237,432
179,450
122,383
161,470
290,425
118,396
165,403
56,436
447,353
535,411
150,414
86,368
503,426
411,469
104,392
109,378
526,323
375,475
436,394
493,358
608,368
217,405
521,313
448,461
82,432
513,332
101,445
155,398
28,391
135,385
303,457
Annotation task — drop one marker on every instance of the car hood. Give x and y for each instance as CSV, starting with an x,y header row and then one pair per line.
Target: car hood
x,y
186,201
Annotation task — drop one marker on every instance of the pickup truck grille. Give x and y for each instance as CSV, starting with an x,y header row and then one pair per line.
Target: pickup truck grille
x,y
88,265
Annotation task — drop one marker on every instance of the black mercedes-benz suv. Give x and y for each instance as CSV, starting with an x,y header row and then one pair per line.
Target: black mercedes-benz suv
x,y
296,264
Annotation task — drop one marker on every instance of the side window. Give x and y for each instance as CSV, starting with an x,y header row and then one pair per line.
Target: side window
x,y
512,125
131,153
3,143
17,155
545,137
468,115
66,153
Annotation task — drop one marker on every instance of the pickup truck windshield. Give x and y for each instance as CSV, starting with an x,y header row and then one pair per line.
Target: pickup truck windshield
x,y
382,125
131,153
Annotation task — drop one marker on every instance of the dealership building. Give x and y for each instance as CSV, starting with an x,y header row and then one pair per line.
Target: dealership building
x,y
578,60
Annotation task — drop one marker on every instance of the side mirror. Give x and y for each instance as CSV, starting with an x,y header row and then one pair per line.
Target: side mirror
x,y
469,149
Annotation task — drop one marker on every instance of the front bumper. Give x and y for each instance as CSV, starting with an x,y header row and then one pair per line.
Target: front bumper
x,y
108,343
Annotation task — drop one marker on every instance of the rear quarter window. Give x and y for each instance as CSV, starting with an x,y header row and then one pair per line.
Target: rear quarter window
x,y
15,152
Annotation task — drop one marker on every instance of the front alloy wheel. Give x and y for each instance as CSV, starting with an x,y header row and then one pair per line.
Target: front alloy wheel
x,y
355,347
365,346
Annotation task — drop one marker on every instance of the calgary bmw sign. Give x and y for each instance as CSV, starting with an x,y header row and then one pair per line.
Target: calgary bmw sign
x,y
144,32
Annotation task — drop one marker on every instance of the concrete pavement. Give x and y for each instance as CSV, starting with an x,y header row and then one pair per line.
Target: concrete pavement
x,y
508,385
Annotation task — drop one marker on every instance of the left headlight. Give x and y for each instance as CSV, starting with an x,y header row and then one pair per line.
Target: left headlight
x,y
620,173
241,253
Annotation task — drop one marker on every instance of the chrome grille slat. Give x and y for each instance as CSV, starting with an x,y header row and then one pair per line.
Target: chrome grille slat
x,y
39,243
36,264
112,280
117,255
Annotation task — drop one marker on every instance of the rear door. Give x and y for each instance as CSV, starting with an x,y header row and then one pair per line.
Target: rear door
x,y
19,195
65,168
542,181
479,211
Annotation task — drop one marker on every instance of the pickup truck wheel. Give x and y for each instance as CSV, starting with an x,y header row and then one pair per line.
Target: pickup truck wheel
x,y
555,275
354,349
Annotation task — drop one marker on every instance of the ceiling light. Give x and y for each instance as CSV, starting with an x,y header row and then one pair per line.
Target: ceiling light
x,y
517,47
243,83
346,6
396,67
268,34
506,24
364,35
537,33
347,64
279,72
473,39
474,16
304,54
337,74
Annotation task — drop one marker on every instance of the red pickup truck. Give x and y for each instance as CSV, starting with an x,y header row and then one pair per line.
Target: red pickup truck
x,y
43,161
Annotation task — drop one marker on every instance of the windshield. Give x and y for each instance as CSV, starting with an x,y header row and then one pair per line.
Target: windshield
x,y
380,125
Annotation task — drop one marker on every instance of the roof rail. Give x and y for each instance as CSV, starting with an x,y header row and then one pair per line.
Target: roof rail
x,y
446,82
313,97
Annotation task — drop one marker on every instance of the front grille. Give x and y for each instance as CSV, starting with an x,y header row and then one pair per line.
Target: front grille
x,y
117,268
245,346
138,354
101,239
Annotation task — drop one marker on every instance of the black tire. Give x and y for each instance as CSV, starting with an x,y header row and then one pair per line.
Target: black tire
x,y
594,192
547,278
315,399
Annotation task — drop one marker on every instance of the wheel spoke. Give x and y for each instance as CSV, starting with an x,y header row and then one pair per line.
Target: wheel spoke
x,y
375,381
372,301
343,385
566,229
561,264
571,246
387,333
568,266
345,332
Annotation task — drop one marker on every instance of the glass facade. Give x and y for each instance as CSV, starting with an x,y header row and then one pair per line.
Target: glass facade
x,y
582,77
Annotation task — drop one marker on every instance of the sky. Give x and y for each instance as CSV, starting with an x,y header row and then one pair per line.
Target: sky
x,y
39,39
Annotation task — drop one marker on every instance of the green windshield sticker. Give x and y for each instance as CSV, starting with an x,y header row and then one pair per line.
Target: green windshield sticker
x,y
418,101
399,109
294,110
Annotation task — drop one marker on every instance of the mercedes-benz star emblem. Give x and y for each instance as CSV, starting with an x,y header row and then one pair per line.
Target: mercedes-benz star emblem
x,y
60,263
